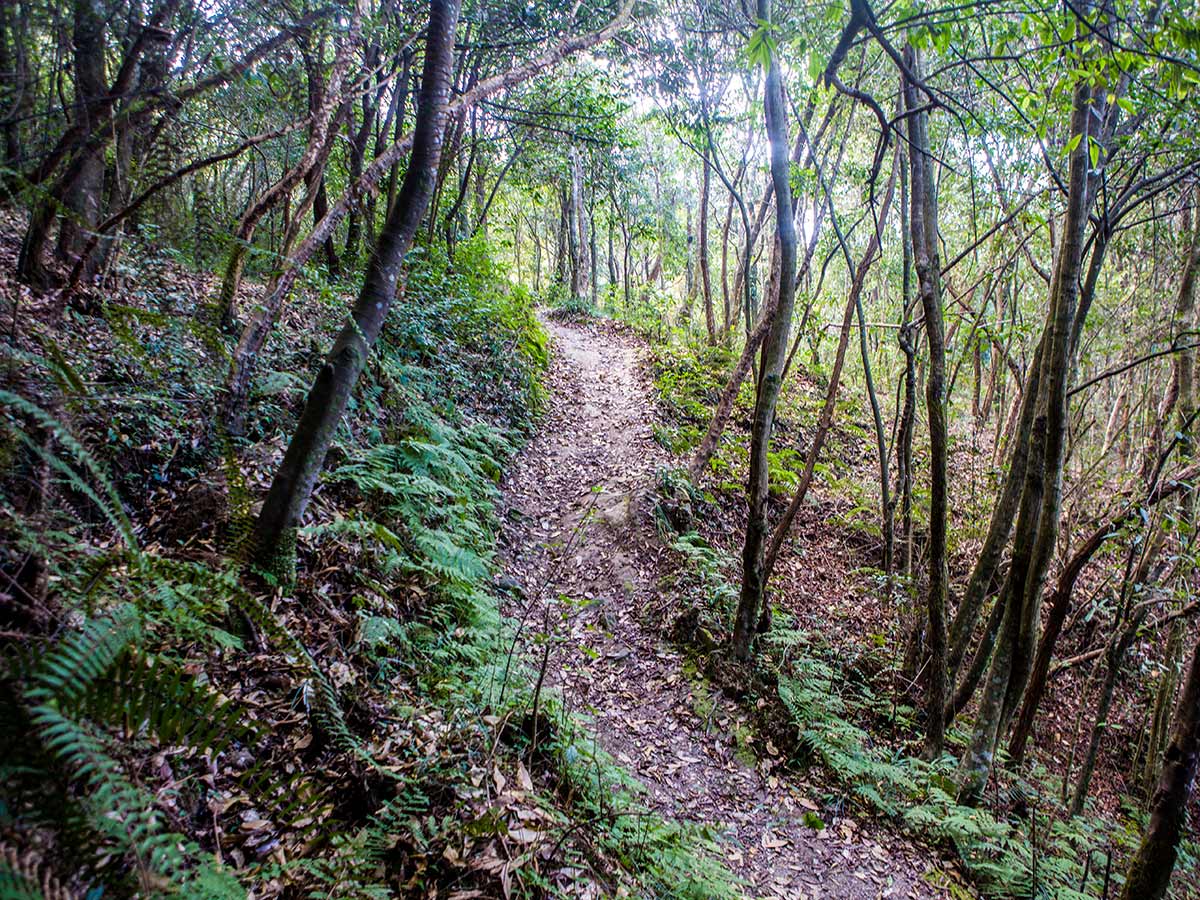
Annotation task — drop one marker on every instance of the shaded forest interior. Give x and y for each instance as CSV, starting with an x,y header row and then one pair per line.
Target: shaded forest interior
x,y
452,448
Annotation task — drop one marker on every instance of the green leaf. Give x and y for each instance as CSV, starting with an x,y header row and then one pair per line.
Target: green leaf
x,y
761,45
816,66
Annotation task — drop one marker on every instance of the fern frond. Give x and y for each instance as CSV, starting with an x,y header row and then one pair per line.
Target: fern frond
x,y
25,876
125,815
110,504
67,672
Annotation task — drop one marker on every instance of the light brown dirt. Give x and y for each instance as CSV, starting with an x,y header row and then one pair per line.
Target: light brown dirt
x,y
579,538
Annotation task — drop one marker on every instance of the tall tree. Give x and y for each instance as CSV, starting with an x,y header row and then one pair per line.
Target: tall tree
x,y
774,353
923,226
288,497
1038,513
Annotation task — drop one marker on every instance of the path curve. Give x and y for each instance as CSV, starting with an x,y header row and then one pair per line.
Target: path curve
x,y
577,521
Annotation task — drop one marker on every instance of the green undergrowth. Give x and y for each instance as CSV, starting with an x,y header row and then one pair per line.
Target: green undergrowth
x,y
822,708
169,732
647,313
820,704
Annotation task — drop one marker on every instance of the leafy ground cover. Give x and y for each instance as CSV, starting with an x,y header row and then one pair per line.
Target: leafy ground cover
x,y
171,729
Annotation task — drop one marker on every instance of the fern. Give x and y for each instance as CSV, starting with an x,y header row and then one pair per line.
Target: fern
x,y
151,692
82,657
25,876
352,870
69,686
125,814
109,502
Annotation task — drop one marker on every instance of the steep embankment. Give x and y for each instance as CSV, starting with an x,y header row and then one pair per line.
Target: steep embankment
x,y
579,541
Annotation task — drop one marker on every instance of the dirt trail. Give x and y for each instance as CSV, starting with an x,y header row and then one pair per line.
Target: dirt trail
x,y
578,537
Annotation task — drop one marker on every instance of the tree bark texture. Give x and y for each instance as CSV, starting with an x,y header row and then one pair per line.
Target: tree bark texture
x,y
292,486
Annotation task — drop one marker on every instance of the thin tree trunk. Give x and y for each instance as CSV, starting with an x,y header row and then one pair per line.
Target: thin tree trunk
x,y
1037,518
1060,601
1150,870
702,252
774,353
79,191
987,563
15,91
906,337
254,336
324,100
1160,716
564,242
358,150
575,224
287,499
825,419
592,249
924,228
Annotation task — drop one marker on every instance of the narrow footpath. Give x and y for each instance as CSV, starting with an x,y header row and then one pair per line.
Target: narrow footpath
x,y
579,538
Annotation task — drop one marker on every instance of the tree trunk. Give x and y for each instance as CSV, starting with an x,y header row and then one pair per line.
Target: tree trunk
x,y
1037,518
924,229
702,252
292,486
1160,715
575,223
358,150
825,419
1060,601
726,311
82,196
79,190
906,337
1150,871
987,563
613,275
15,92
324,100
562,261
592,262
773,356
320,209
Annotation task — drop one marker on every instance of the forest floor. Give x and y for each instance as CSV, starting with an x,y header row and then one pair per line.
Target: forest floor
x,y
579,543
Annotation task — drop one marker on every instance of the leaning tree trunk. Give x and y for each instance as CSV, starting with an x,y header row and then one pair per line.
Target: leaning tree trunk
x,y
987,563
1161,712
1126,629
292,486
1060,602
1150,871
324,104
773,358
255,334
